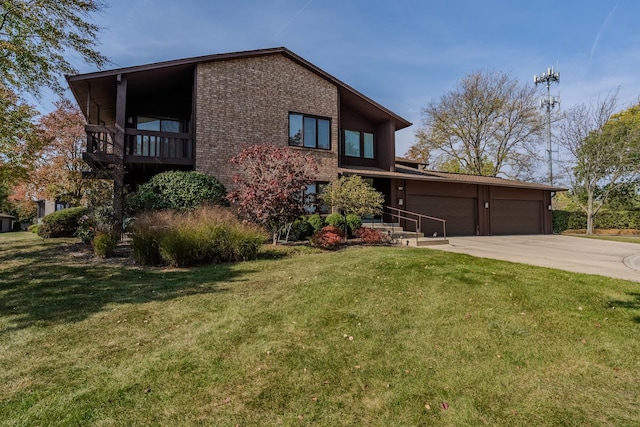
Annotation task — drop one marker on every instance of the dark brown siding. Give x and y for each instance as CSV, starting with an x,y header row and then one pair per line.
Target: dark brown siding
x,y
479,209
384,139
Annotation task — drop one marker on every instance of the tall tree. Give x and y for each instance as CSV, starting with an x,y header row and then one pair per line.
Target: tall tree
x,y
36,38
604,150
489,124
271,185
20,138
59,168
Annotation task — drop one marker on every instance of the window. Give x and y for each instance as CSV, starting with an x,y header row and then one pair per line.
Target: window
x,y
310,132
312,202
154,145
358,144
159,125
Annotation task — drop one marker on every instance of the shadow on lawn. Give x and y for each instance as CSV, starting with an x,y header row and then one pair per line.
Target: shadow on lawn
x,y
630,304
41,287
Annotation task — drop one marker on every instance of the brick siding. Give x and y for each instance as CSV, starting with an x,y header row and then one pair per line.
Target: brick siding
x,y
247,101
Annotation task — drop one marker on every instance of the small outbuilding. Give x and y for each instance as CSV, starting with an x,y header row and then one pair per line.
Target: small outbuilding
x,y
6,222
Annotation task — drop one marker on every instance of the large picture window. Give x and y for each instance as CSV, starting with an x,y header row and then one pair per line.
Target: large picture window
x,y
309,131
359,144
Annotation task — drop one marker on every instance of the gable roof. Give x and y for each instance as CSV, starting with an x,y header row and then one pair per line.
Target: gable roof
x,y
405,172
347,93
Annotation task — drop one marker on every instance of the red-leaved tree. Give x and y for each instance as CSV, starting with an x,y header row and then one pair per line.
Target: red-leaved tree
x,y
271,184
59,170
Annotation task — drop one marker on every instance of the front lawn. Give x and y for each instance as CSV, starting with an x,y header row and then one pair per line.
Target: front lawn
x,y
375,336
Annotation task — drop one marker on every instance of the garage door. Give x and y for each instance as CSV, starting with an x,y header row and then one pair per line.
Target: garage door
x,y
516,216
460,213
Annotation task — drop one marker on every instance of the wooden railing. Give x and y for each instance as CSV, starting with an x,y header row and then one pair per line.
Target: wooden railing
x,y
140,145
416,218
100,139
163,145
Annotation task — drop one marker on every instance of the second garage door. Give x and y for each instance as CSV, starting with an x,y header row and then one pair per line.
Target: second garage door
x,y
460,213
516,216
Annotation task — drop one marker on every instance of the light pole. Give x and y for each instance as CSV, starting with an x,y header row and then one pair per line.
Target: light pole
x,y
548,102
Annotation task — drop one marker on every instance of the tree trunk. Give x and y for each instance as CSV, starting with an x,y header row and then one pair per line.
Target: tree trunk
x,y
589,223
590,213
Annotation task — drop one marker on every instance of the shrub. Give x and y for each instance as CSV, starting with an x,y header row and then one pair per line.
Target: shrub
x,y
560,221
336,220
206,235
353,223
145,249
328,237
371,236
86,230
352,194
176,190
301,229
63,223
34,228
104,244
316,222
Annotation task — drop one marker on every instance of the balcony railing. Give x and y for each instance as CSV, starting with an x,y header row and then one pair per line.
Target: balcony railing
x,y
100,139
140,146
162,145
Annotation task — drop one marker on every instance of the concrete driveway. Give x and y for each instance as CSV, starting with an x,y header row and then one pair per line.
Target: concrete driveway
x,y
614,259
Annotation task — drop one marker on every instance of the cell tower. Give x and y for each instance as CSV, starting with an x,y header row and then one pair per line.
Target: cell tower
x,y
548,102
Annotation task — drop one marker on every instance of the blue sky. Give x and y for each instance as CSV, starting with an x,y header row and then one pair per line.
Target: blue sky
x,y
401,53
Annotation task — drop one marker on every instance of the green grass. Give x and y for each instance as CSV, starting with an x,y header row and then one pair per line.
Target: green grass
x,y
269,342
616,238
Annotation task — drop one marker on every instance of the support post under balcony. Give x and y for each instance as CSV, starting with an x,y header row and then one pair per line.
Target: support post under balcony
x,y
118,151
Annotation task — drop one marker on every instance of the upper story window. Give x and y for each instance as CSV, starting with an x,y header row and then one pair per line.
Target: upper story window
x,y
159,125
309,131
358,144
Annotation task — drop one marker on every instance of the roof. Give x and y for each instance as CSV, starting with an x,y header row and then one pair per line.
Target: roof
x,y
4,215
347,93
405,172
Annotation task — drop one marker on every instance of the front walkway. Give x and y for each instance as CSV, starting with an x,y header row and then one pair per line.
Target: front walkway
x,y
581,255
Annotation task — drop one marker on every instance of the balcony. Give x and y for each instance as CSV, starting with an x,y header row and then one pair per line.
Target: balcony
x,y
140,147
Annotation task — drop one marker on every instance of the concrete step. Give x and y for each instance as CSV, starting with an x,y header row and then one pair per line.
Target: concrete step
x,y
405,238
382,225
424,241
401,234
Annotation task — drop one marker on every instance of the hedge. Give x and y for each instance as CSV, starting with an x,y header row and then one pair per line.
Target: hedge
x,y
63,223
604,220
176,190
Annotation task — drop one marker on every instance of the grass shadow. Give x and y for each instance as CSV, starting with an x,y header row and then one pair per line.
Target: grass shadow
x,y
38,286
630,304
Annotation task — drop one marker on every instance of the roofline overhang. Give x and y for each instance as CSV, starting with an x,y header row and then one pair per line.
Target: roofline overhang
x,y
400,122
370,173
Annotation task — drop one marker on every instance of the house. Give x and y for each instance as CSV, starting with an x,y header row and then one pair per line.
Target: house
x,y
197,113
6,222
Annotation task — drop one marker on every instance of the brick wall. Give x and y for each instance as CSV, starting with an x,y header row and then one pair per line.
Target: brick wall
x,y
247,101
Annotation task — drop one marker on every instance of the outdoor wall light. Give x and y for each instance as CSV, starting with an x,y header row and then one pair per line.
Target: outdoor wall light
x,y
486,205
400,188
549,207
400,202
